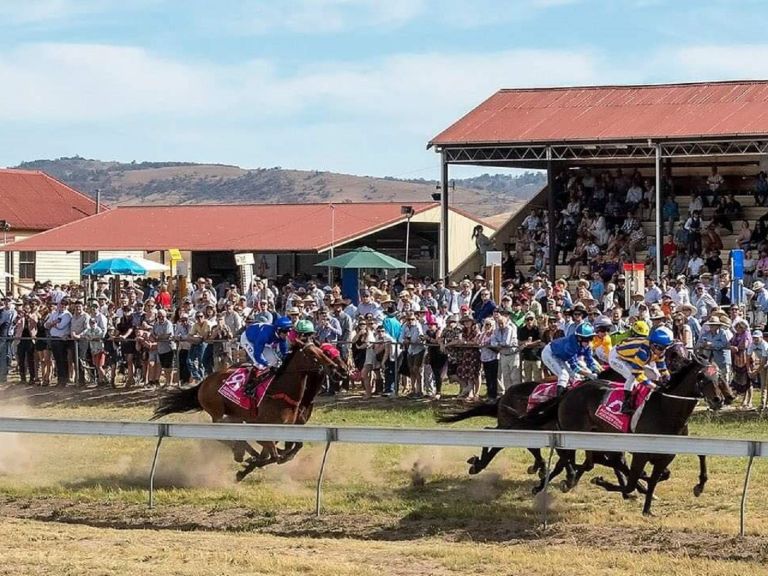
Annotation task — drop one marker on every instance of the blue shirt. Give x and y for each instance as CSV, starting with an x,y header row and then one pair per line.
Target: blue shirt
x,y
262,335
569,350
392,327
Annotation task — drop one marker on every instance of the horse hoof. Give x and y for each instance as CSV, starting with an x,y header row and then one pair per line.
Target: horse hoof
x,y
239,476
565,487
665,475
473,470
697,490
535,490
597,480
472,460
532,469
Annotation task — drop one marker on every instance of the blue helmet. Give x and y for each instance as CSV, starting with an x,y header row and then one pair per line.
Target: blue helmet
x,y
585,330
283,323
661,337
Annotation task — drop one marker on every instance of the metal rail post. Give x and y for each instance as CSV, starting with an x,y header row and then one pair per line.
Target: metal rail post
x,y
753,451
552,445
162,432
332,435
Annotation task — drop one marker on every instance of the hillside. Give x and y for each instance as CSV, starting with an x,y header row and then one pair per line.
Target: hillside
x,y
188,183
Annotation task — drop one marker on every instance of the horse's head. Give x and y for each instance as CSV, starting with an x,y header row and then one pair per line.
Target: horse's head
x,y
677,357
699,378
311,358
710,386
339,370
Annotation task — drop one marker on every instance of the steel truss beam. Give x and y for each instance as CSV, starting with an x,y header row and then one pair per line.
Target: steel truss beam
x,y
584,152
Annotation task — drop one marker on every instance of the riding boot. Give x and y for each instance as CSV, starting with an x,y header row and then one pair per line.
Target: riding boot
x,y
627,406
561,390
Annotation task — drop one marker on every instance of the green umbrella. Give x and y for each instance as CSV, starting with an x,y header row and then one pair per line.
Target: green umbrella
x,y
364,258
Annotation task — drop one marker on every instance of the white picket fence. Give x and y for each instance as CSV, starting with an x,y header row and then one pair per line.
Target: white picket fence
x,y
653,444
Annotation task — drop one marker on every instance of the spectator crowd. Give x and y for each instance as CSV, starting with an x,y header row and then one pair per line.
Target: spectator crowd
x,y
410,336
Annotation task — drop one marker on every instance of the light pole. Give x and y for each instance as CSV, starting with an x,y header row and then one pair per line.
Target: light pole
x,y
333,241
408,211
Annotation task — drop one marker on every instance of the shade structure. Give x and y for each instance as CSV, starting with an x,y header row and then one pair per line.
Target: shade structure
x,y
150,265
121,266
364,258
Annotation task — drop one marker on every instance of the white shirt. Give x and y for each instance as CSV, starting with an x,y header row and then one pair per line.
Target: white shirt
x,y
695,265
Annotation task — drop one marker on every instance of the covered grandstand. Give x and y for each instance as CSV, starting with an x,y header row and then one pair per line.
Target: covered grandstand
x,y
681,130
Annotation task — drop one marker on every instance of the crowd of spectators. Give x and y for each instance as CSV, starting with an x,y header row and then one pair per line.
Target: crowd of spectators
x,y
402,337
408,337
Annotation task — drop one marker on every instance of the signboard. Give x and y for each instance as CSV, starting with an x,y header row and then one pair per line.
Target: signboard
x,y
244,259
635,281
493,258
737,276
175,254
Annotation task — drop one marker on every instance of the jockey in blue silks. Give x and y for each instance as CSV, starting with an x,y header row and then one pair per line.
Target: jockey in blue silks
x,y
267,344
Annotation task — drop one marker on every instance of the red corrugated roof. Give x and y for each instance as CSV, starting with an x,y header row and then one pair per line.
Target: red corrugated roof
x,y
31,200
259,228
624,113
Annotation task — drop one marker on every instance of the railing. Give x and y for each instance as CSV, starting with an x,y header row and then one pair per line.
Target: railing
x,y
646,443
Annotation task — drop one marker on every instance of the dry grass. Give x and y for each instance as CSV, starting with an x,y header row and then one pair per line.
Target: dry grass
x,y
44,548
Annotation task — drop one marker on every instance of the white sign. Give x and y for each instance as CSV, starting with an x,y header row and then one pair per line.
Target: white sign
x,y
244,259
493,258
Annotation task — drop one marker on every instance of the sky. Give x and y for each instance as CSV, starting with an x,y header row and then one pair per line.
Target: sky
x,y
354,86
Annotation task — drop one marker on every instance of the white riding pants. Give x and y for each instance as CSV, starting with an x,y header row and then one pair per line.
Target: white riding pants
x,y
558,367
269,353
624,368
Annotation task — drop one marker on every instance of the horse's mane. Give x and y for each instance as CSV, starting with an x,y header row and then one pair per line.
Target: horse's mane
x,y
284,364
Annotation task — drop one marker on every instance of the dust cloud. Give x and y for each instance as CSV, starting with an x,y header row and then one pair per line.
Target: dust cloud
x,y
18,452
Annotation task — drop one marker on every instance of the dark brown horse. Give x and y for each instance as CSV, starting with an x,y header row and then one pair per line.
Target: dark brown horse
x,y
510,412
289,400
666,412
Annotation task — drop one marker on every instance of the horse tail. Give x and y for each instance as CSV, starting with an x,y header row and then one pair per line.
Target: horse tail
x,y
178,401
481,410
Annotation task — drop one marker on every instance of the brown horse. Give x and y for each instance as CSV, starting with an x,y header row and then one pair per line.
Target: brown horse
x,y
288,400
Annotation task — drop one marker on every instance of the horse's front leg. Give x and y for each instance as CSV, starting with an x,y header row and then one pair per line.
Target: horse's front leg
x,y
290,451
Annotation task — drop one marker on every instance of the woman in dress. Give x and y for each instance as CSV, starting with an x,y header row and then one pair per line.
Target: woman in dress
x,y
468,367
681,330
740,344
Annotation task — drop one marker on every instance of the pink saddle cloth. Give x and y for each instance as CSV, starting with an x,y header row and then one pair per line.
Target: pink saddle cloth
x,y
609,410
546,391
233,388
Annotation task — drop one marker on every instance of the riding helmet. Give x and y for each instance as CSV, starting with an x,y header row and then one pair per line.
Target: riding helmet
x,y
641,328
585,331
661,337
305,327
283,323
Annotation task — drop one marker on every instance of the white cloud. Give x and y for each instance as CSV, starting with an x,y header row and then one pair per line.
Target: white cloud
x,y
712,62
47,12
150,107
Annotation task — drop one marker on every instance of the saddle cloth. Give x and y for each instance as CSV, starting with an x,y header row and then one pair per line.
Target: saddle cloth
x,y
546,391
609,410
234,387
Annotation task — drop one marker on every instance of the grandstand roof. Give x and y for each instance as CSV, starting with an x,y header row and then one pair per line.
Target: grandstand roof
x,y
32,200
262,227
614,113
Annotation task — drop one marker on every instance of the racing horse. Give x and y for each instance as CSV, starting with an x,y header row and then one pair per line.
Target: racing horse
x,y
666,412
510,412
288,400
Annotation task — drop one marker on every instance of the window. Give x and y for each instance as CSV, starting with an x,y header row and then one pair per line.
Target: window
x,y
88,257
27,261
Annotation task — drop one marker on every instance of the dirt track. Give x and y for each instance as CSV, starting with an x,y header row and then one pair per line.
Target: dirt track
x,y
180,517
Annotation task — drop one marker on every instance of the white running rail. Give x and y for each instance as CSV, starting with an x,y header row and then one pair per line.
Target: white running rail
x,y
654,444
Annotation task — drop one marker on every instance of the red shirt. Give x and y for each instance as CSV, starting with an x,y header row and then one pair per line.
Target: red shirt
x,y
669,249
164,299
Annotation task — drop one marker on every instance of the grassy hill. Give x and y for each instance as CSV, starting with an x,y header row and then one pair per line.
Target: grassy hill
x,y
188,183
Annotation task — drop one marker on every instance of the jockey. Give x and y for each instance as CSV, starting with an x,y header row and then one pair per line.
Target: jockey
x,y
563,357
635,355
260,341
305,330
601,343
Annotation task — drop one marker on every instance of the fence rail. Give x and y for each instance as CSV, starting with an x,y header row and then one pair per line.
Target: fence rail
x,y
648,443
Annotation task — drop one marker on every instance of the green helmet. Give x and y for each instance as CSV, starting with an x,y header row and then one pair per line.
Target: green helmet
x,y
305,327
